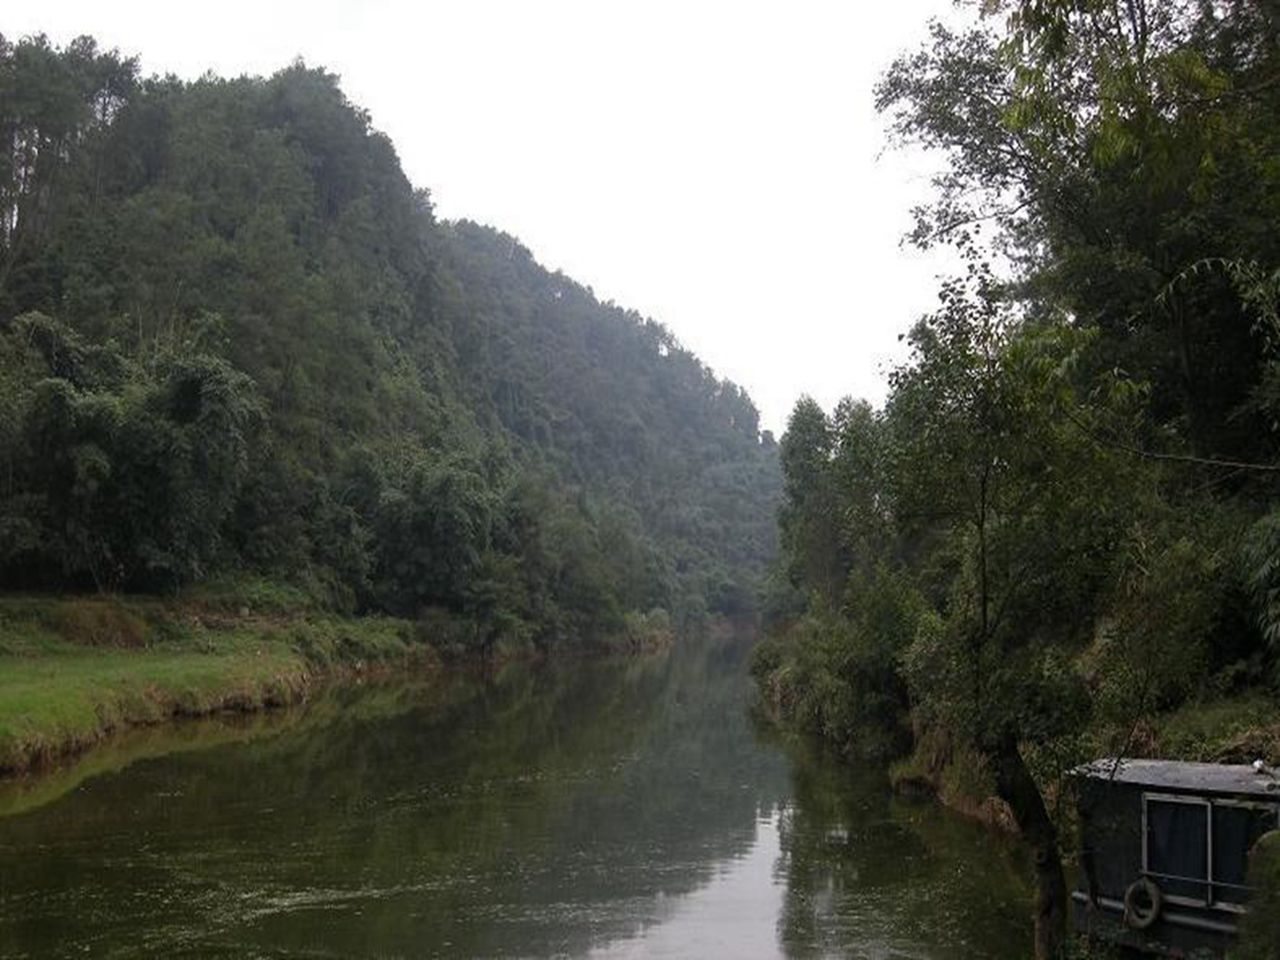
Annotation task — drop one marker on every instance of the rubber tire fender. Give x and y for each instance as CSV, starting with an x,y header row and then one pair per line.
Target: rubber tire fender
x,y
1140,919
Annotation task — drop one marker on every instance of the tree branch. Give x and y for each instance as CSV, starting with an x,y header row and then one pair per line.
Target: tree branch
x,y
1169,457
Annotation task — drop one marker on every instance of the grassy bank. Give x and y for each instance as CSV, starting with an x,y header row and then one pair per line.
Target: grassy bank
x,y
373,697
1238,729
840,687
75,670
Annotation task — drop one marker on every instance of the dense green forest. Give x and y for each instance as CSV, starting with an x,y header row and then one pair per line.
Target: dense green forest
x,y
236,342
1061,527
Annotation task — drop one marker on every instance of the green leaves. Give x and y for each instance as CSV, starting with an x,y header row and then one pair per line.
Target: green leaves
x,y
1114,147
1262,559
129,470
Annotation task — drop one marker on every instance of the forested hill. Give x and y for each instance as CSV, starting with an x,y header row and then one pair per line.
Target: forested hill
x,y
234,339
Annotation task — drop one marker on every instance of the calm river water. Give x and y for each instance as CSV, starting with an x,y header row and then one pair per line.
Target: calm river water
x,y
601,810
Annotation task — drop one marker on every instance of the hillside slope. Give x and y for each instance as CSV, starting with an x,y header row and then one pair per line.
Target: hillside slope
x,y
233,337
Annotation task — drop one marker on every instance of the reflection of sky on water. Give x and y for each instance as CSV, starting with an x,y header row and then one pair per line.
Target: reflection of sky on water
x,y
734,914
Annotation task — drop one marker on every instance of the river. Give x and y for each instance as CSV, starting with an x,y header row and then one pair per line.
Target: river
x,y
628,809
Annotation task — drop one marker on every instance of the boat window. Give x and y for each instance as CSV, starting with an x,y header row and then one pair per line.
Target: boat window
x,y
1236,828
1177,846
1193,865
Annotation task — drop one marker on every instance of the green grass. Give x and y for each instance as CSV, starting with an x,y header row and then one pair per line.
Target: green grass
x,y
385,696
1236,730
74,670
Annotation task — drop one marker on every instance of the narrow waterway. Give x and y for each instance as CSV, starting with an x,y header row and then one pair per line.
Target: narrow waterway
x,y
606,810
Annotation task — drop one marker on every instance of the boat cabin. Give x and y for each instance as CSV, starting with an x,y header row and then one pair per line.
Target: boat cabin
x,y
1165,848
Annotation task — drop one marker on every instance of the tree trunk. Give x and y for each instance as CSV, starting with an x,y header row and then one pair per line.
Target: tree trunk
x,y
1018,788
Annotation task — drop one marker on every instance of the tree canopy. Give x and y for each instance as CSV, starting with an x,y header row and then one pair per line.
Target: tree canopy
x,y
234,337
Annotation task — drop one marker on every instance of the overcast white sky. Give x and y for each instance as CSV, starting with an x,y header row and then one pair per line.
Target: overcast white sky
x,y
715,165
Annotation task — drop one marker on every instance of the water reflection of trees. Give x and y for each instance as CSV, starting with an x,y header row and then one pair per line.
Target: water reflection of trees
x,y
546,812
871,875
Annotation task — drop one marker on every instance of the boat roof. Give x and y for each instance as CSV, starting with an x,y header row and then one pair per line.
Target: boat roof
x,y
1235,779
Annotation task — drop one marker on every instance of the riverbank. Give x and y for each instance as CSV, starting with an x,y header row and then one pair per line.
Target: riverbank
x,y
74,671
1238,729
801,687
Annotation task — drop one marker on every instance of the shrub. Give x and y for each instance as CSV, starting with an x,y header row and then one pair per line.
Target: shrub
x,y
99,623
1260,932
